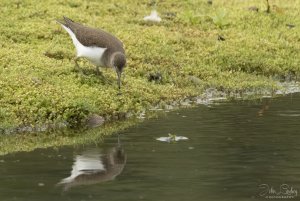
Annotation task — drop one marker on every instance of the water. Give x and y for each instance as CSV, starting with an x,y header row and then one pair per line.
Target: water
x,y
236,151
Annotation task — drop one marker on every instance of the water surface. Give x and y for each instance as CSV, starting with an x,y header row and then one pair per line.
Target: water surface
x,y
235,151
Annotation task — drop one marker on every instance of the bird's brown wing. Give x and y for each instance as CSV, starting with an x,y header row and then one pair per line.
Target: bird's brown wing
x,y
93,37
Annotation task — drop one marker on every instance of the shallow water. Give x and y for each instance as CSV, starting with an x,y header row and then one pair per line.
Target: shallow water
x,y
236,151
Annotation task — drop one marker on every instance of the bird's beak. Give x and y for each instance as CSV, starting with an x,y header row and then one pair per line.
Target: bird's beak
x,y
119,79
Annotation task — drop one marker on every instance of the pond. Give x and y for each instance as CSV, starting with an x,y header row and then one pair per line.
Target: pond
x,y
240,150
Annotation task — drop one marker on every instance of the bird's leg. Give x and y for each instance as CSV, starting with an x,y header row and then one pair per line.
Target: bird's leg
x,y
98,72
119,141
77,68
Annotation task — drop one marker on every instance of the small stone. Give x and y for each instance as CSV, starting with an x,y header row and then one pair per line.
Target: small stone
x,y
195,80
156,77
185,102
210,2
94,120
169,107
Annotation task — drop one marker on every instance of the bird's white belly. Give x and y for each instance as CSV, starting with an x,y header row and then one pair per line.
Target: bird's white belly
x,y
93,54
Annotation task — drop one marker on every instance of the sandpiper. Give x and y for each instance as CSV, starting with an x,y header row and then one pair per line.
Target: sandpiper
x,y
95,166
99,47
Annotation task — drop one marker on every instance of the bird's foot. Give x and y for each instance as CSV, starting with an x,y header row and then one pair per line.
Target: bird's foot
x,y
102,77
98,72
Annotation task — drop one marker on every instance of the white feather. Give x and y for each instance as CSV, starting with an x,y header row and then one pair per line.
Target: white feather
x,y
93,54
170,139
153,17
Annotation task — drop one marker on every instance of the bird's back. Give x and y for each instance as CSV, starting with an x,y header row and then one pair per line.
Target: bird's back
x,y
91,37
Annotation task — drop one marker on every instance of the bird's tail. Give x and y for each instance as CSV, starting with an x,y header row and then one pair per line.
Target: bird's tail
x,y
61,22
66,21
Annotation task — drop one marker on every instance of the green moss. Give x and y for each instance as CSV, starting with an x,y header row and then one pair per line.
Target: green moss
x,y
38,83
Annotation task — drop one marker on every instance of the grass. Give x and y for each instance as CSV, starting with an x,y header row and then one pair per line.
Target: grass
x,y
38,83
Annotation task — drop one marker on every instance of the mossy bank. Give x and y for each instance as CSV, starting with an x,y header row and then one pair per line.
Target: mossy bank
x,y
228,46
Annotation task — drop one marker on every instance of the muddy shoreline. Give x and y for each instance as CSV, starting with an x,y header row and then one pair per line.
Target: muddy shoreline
x,y
208,97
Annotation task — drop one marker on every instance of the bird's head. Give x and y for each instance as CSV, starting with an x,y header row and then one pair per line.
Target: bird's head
x,y
119,62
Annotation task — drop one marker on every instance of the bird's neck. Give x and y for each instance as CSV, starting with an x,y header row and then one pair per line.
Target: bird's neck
x,y
117,57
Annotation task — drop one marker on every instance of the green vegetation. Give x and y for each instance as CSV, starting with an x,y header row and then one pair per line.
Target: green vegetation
x,y
38,83
31,141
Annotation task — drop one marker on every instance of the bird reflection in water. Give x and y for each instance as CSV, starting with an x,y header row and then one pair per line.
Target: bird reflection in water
x,y
95,166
